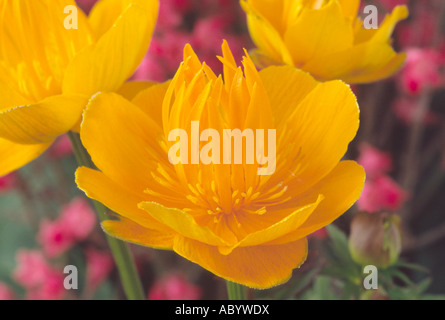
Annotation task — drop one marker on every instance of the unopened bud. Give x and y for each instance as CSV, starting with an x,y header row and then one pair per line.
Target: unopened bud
x,y
375,239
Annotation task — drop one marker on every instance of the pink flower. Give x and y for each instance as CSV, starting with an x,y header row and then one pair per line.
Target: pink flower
x,y
421,70
381,193
86,5
61,148
174,287
54,237
31,268
79,218
421,29
320,234
6,293
51,288
73,225
99,266
406,110
7,182
390,4
42,281
373,160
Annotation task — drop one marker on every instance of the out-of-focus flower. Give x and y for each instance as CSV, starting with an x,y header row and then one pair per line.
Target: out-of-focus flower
x,y
31,268
391,4
422,70
324,38
86,5
212,22
422,28
62,147
41,280
375,239
174,287
7,182
381,193
99,266
6,293
73,225
320,234
373,160
51,287
46,63
243,226
406,109
79,218
54,237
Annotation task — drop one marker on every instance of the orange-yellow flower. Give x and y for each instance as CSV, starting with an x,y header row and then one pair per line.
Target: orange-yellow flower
x,y
242,226
49,69
324,38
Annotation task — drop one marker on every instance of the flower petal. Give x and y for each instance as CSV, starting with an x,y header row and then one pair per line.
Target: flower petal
x,y
125,151
317,136
16,155
122,46
183,223
130,231
258,267
319,31
341,188
43,121
277,230
99,187
131,89
265,36
150,100
368,61
286,88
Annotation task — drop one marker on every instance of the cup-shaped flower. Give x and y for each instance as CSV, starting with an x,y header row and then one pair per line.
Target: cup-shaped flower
x,y
53,58
240,222
323,37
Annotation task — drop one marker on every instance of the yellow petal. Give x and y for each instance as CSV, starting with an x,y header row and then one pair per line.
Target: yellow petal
x,y
105,65
43,121
286,88
341,188
36,47
350,7
265,36
317,136
277,230
116,197
121,140
258,267
319,32
16,155
150,100
11,97
365,62
383,33
183,223
131,89
130,231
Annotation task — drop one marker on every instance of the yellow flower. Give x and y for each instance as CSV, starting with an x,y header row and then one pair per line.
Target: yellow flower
x,y
243,226
324,38
49,69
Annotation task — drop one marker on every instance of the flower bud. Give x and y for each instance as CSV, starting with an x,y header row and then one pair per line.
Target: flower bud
x,y
375,239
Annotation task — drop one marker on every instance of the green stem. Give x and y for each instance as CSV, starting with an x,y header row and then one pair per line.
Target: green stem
x,y
235,291
121,253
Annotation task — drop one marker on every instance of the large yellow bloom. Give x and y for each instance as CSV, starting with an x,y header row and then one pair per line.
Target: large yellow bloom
x,y
244,227
48,72
324,38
